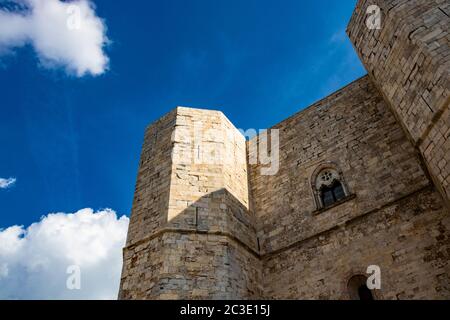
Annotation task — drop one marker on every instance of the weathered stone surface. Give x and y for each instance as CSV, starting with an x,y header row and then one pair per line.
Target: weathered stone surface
x,y
408,59
408,239
207,224
355,130
198,240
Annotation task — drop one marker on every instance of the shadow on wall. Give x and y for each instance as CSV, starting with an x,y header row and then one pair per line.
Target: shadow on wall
x,y
221,213
208,251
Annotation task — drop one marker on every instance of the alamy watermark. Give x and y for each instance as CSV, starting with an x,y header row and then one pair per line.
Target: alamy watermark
x,y
73,17
264,152
73,281
374,280
373,21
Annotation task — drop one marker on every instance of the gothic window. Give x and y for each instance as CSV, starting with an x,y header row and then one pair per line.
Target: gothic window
x,y
331,194
328,186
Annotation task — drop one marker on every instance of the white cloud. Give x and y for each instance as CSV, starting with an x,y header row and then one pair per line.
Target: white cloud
x,y
63,34
7,183
34,261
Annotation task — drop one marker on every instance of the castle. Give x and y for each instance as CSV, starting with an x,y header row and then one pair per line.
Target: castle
x,y
362,180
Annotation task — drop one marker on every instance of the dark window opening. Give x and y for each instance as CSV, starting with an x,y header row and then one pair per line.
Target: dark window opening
x,y
333,193
358,290
364,293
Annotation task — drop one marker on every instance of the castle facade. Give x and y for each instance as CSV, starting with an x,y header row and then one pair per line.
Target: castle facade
x,y
355,187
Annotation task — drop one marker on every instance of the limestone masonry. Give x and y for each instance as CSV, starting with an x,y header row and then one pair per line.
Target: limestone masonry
x,y
362,179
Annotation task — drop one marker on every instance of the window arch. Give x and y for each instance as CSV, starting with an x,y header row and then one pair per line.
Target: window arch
x,y
328,185
358,290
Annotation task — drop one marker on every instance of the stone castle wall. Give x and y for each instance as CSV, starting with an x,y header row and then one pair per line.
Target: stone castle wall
x,y
409,61
191,234
207,224
393,216
151,196
408,239
353,129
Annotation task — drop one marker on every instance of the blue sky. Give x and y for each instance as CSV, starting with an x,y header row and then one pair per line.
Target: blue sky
x,y
74,142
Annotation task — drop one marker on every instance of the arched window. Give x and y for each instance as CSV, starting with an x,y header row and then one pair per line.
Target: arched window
x,y
331,194
328,185
358,290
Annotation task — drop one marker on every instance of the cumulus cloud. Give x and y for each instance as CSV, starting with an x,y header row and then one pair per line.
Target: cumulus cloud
x,y
34,261
63,34
7,183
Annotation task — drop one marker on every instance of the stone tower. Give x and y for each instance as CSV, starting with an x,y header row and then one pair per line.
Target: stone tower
x,y
408,60
191,234
363,180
